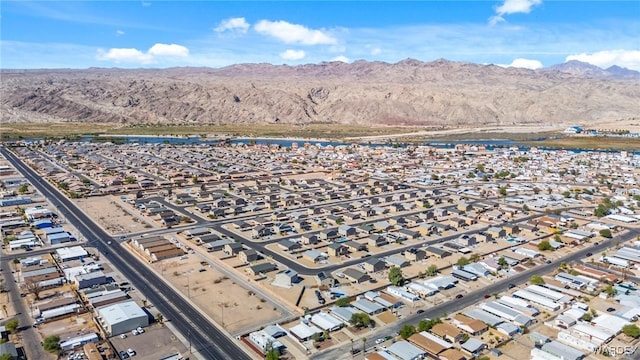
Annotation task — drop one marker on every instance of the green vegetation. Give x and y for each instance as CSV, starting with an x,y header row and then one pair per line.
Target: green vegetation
x,y
503,262
536,280
52,344
503,191
426,325
343,301
610,291
12,325
463,261
23,188
631,330
587,317
395,276
544,245
605,233
6,356
432,270
605,206
407,331
360,320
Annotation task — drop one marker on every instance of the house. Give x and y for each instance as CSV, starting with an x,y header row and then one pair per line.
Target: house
x,y
354,246
496,232
288,245
322,279
248,255
377,241
346,230
413,254
232,248
313,255
404,350
437,252
286,278
337,249
472,326
448,332
373,264
262,268
474,346
355,276
511,229
309,239
397,261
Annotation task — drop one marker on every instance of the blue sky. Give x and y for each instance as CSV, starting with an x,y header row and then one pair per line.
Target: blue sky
x,y
133,34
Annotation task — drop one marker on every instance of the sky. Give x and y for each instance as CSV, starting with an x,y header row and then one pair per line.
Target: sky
x,y
160,34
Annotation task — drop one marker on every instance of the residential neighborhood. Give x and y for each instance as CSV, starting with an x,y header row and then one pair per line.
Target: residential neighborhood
x,y
328,250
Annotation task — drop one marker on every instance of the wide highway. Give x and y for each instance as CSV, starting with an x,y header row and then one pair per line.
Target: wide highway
x,y
205,338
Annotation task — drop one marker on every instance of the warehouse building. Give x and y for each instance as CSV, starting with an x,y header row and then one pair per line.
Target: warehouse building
x,y
122,317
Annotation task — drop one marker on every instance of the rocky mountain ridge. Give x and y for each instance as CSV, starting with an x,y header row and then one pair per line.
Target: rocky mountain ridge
x,y
409,92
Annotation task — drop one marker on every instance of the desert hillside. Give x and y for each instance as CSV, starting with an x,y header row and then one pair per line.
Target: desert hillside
x,y
363,93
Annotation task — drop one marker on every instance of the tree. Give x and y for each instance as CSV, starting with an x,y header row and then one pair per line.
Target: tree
x,y
12,325
631,330
343,301
130,180
605,233
426,325
52,344
33,287
544,245
610,291
432,270
407,331
6,356
462,261
503,262
23,188
474,257
587,317
503,191
536,280
395,276
159,318
360,320
525,207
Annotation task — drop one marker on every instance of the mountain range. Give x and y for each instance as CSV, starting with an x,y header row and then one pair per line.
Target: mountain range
x,y
410,92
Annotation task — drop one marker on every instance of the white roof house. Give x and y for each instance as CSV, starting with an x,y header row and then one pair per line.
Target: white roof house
x,y
405,350
304,332
326,322
610,322
122,317
71,253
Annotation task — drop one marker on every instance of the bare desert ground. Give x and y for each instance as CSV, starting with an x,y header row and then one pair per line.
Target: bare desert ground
x,y
113,215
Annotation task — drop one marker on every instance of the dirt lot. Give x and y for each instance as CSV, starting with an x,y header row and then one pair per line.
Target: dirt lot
x,y
226,302
113,215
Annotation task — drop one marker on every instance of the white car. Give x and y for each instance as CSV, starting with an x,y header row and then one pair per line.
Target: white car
x,y
134,332
140,330
379,341
131,352
123,336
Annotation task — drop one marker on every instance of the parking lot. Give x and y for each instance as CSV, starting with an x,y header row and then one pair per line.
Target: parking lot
x,y
156,342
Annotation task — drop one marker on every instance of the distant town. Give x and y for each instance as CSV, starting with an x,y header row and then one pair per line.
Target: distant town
x,y
318,251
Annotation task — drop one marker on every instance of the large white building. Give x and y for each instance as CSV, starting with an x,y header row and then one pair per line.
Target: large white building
x,y
122,317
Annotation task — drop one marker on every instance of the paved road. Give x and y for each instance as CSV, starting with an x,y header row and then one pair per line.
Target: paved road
x,y
471,298
206,339
30,337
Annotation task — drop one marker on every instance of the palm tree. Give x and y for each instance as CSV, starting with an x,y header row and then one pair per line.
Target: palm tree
x,y
364,345
351,346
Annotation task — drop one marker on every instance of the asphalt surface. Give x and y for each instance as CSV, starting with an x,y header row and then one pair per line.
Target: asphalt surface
x,y
30,338
471,298
205,338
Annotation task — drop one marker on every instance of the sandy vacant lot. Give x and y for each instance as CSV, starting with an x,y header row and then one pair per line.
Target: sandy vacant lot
x,y
226,302
112,215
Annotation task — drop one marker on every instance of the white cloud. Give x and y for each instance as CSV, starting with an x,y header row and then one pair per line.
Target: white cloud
x,y
629,59
238,24
173,50
293,54
119,55
131,55
524,63
293,33
376,51
513,7
119,32
342,58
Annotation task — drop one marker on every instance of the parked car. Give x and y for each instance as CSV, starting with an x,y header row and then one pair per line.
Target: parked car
x,y
124,355
511,286
131,352
379,341
420,311
611,309
459,296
